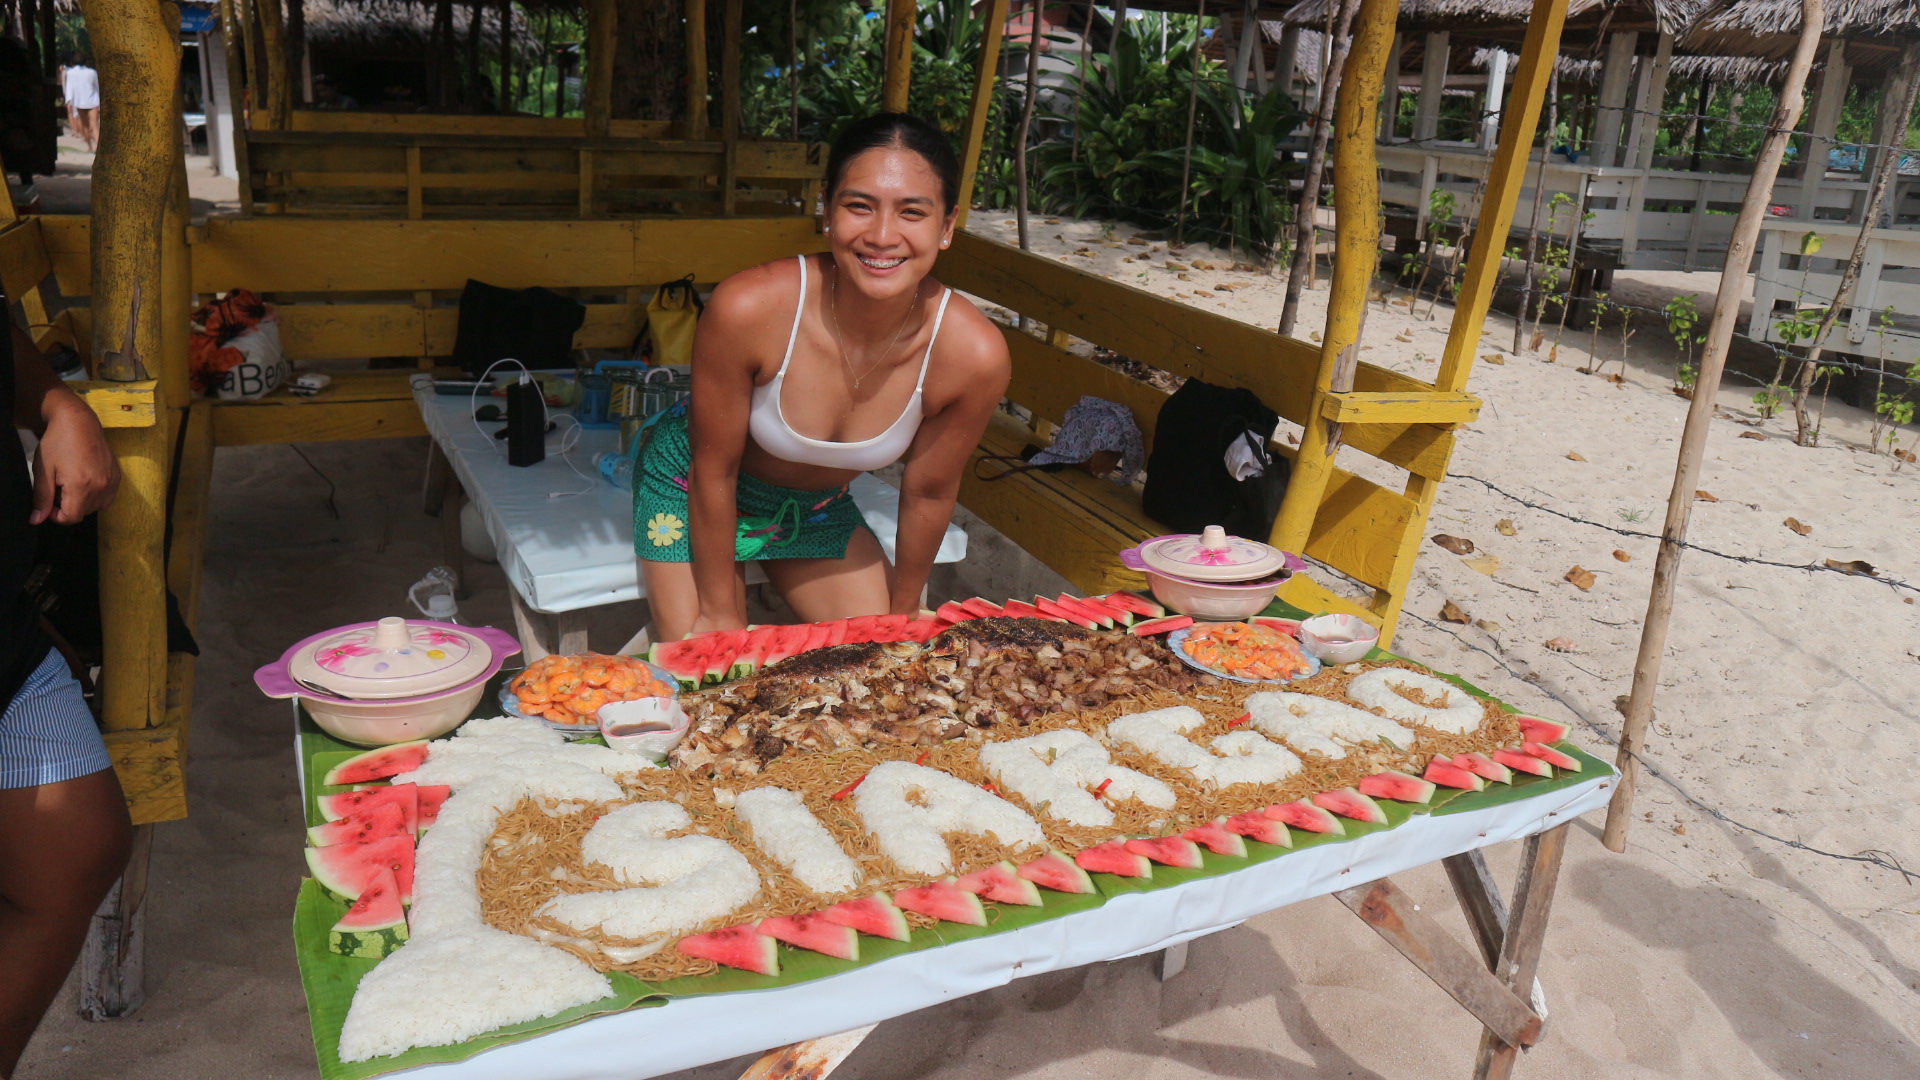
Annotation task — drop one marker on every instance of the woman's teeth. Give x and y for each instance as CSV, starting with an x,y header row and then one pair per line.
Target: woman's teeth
x,y
880,264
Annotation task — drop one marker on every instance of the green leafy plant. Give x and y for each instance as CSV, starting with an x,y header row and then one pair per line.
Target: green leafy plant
x,y
1631,515
1769,399
1683,317
1441,205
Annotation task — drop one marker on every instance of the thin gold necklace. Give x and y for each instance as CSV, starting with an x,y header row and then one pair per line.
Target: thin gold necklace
x,y
840,340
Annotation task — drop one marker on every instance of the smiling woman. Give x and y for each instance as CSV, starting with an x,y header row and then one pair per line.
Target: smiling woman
x,y
879,363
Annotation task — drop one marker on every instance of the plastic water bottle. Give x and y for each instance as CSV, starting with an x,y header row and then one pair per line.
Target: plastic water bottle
x,y
615,468
433,595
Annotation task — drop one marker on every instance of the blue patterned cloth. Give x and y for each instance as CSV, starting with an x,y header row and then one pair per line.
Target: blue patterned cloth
x,y
1093,425
47,735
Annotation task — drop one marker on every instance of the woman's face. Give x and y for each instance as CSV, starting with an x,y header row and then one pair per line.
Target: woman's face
x,y
887,222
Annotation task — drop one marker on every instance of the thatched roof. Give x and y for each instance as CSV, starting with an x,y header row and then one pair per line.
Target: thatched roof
x,y
1723,70
1506,20
1767,29
1307,56
404,27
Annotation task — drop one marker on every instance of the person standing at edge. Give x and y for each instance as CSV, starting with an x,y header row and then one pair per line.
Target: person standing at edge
x,y
808,372
64,832
80,85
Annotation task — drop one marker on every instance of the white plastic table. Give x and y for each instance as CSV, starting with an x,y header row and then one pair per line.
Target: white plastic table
x,y
563,535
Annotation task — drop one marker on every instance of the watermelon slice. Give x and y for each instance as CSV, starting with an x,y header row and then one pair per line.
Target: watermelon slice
x,y
1120,614
890,627
753,654
1447,774
1020,609
1349,803
1048,608
1306,817
859,629
1521,761
380,763
1260,827
874,915
376,924
1167,625
1113,857
819,636
1168,851
1553,757
376,822
725,647
740,947
814,931
685,660
405,796
983,608
1483,766
954,613
922,630
1289,627
1544,731
943,900
1001,884
347,869
836,631
1216,837
1102,619
1142,606
1397,786
431,796
1057,872
784,642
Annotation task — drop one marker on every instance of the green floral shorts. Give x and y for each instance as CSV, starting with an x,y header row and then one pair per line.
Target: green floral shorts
x,y
788,523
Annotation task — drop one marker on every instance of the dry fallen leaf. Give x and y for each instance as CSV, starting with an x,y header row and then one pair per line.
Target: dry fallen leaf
x,y
1404,335
1495,358
1583,579
1621,555
1680,829
1246,268
1202,264
1183,296
1797,526
1905,455
1706,496
1455,544
1852,566
1184,276
1141,241
1533,345
1560,644
1617,379
1483,562
1053,221
1552,354
1313,335
1171,265
1085,253
1487,624
1450,612
1227,285
1753,435
1505,527
1574,455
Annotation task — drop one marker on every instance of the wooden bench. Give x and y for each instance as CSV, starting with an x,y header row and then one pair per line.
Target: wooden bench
x,y
1076,524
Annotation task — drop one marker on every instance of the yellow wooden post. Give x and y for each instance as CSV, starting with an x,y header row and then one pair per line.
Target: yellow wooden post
x,y
602,42
233,31
696,69
273,35
729,102
899,56
1357,236
132,176
984,74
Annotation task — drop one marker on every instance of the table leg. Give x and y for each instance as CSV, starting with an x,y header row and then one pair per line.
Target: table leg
x,y
1171,961
452,552
1526,933
112,961
571,632
810,1060
534,628
439,479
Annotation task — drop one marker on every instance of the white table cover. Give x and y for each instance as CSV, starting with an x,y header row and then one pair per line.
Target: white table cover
x,y
565,551
689,1032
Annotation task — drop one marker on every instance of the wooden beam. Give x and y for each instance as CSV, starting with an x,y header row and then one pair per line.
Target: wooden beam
x,y
273,35
984,71
1357,232
696,69
151,766
1519,961
112,959
1616,79
1352,407
1433,83
232,32
603,28
295,420
898,78
120,404
1396,917
1823,120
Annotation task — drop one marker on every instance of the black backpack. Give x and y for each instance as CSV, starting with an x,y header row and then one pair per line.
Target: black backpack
x,y
1188,486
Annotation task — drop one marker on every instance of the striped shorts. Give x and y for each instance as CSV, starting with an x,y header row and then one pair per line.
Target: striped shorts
x,y
47,735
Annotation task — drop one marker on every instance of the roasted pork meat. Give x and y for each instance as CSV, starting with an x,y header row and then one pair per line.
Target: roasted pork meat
x,y
984,673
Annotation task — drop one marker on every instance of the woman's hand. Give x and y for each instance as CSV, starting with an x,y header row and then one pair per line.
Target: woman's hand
x,y
74,472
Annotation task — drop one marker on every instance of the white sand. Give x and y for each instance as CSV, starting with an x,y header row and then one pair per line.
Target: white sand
x,y
1704,952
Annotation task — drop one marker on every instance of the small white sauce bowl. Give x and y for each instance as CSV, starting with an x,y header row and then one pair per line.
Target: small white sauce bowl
x,y
1338,639
650,726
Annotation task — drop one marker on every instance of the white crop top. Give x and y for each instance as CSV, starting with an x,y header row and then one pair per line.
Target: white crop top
x,y
767,422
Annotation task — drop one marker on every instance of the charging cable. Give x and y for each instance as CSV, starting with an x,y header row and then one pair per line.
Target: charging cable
x,y
567,442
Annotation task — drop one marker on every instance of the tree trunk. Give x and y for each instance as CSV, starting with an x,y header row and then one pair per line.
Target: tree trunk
x,y
505,90
1193,95
471,92
1339,27
650,60
1026,125
443,73
1539,197
296,51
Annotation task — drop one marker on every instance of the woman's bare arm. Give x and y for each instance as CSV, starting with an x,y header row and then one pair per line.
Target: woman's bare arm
x,y
74,471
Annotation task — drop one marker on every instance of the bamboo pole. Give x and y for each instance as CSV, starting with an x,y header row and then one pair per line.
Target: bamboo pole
x,y
1340,15
696,68
1193,100
1539,197
984,73
898,79
231,30
49,40
1357,251
273,35
1026,124
1885,170
602,30
1693,439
